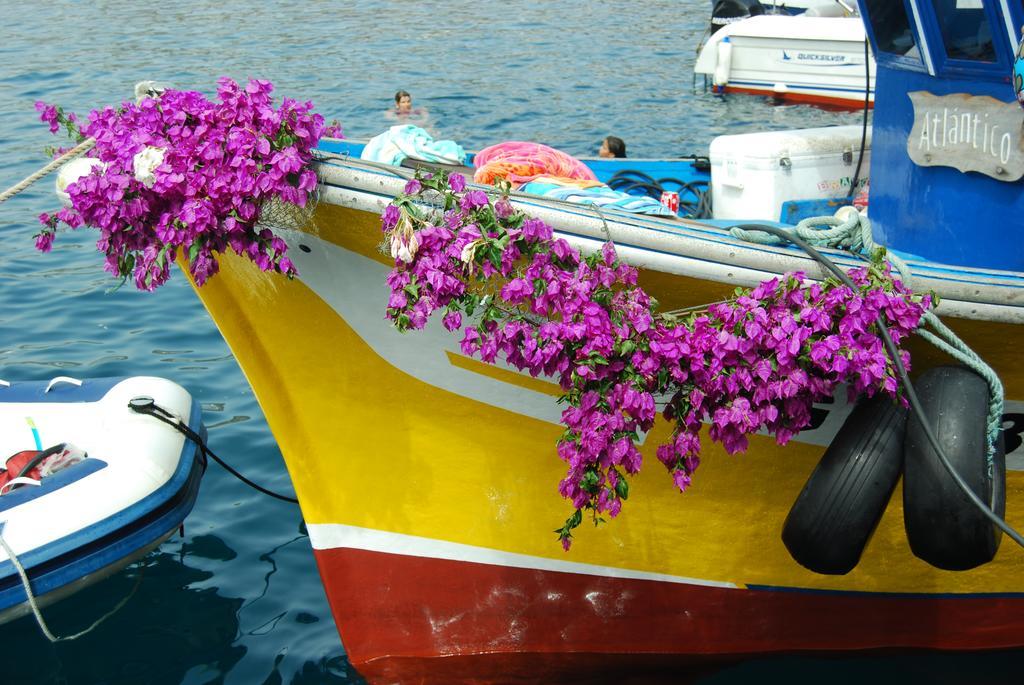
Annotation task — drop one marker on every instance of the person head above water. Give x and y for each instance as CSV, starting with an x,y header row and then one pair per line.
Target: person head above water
x,y
403,102
612,147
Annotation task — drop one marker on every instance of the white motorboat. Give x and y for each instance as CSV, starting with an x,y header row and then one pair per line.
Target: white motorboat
x,y
802,58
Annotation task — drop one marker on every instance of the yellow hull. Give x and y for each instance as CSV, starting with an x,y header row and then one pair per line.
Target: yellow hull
x,y
397,443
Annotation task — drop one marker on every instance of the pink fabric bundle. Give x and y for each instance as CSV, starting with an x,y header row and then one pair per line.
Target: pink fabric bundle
x,y
519,163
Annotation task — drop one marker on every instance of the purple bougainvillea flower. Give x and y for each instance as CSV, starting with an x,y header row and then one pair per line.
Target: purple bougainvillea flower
x,y
457,183
48,114
195,171
473,199
755,362
390,217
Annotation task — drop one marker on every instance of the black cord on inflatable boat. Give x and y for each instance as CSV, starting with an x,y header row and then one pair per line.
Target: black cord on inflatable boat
x,y
146,405
38,459
890,347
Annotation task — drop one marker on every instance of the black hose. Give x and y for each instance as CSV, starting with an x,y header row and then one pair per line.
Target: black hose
x,y
630,175
631,180
146,405
890,347
625,186
864,121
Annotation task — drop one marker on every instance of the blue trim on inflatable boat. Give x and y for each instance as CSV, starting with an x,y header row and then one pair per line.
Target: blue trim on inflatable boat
x,y
47,485
91,549
90,390
888,595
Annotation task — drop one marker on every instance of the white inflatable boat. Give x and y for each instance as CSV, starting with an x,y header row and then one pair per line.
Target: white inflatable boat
x,y
89,483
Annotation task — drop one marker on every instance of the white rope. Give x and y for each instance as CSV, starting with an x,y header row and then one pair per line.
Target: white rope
x,y
35,606
143,89
80,149
20,480
28,591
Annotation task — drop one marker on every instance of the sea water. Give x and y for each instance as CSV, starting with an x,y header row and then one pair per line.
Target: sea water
x,y
237,599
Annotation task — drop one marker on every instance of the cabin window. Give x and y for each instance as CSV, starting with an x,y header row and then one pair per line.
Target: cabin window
x,y
966,32
891,26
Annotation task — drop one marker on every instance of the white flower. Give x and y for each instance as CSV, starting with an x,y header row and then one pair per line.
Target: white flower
x,y
405,248
469,251
405,254
145,163
71,172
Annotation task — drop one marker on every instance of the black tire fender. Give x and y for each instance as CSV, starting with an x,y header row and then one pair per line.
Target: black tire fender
x,y
839,507
943,526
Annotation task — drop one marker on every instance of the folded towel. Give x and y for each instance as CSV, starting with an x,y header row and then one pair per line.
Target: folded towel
x,y
518,162
406,140
567,182
600,195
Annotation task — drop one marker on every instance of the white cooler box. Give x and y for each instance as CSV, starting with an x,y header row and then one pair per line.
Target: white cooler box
x,y
752,174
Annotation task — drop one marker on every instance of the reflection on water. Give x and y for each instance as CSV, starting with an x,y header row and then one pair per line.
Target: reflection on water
x,y
177,626
193,627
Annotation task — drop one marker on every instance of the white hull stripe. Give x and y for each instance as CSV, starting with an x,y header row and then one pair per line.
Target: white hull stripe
x,y
856,94
327,536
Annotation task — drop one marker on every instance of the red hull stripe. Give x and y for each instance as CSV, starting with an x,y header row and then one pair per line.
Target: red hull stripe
x,y
809,98
394,609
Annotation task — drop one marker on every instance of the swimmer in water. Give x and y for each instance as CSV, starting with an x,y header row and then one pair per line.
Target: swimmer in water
x,y
612,147
403,109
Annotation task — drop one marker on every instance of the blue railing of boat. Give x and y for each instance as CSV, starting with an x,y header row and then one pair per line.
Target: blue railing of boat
x,y
683,169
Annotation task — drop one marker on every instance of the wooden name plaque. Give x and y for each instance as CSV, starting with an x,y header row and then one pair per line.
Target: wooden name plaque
x,y
969,133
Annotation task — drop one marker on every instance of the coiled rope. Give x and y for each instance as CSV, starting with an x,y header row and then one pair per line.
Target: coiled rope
x,y
76,151
851,231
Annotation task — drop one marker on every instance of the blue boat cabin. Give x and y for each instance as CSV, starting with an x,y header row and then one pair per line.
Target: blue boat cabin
x,y
947,151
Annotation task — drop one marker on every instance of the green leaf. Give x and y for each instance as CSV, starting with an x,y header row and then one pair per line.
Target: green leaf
x,y
622,488
494,255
